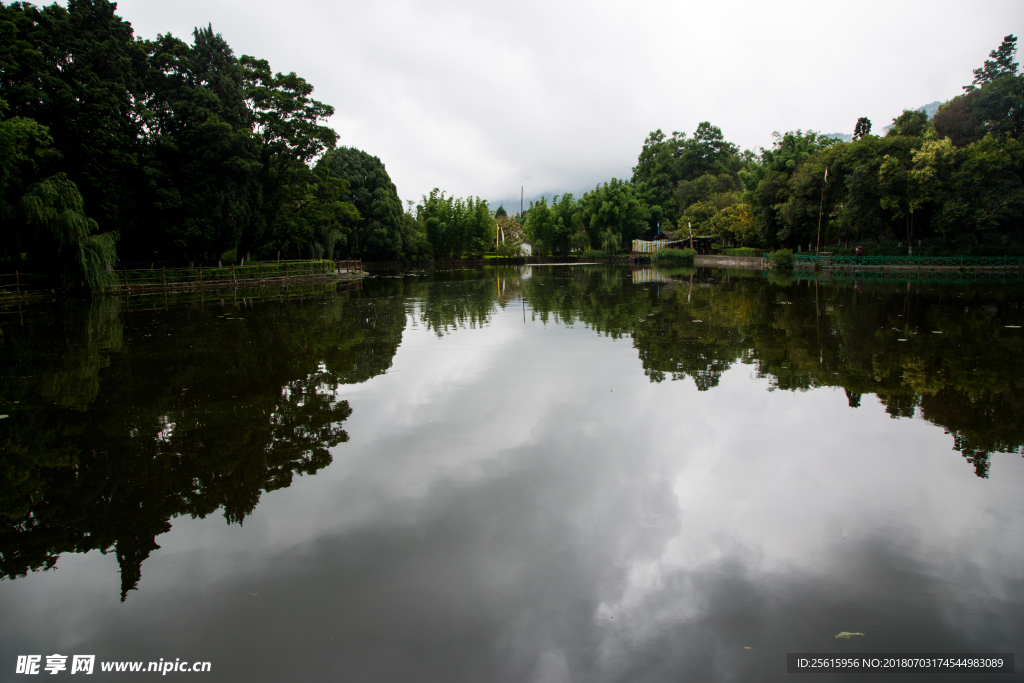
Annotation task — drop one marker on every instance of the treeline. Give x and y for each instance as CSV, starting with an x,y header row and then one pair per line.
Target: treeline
x,y
959,175
172,151
951,183
118,148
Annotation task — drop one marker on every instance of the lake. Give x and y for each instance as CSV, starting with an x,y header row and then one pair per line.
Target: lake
x,y
547,473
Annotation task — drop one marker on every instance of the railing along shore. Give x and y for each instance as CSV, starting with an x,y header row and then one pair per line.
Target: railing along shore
x,y
190,277
828,261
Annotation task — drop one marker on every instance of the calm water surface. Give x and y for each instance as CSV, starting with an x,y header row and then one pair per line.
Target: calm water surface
x,y
548,474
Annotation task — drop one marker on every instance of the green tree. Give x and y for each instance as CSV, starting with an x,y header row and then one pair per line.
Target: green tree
x,y
24,147
78,71
909,124
316,214
768,187
862,128
721,190
1001,64
614,205
542,226
378,234
698,217
610,241
74,250
205,184
734,224
455,227
286,122
664,163
987,194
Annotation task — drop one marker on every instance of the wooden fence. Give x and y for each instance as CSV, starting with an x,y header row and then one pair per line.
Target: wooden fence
x,y
189,277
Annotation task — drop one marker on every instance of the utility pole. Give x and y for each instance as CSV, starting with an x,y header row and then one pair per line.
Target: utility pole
x,y
821,211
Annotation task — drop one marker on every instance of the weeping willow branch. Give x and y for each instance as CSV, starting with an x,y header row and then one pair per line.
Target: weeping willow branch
x,y
77,252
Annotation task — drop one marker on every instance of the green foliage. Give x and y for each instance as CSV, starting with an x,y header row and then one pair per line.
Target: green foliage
x,y
742,251
781,259
862,129
613,206
204,169
315,213
455,227
993,103
54,211
909,124
698,217
78,72
183,149
770,186
721,191
610,242
1000,65
734,224
378,233
664,163
674,257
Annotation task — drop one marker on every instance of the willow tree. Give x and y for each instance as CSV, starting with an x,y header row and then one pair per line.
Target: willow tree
x,y
68,241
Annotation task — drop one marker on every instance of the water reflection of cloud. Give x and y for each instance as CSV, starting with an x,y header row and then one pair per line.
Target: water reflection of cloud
x,y
583,524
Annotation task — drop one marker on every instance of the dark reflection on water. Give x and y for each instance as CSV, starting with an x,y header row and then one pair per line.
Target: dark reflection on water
x,y
955,355
523,497
117,424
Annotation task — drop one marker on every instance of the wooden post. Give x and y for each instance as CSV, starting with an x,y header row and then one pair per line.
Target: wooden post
x,y
124,271
286,269
17,283
200,272
233,280
163,276
261,271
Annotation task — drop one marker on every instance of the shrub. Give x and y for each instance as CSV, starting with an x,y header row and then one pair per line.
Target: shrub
x,y
674,256
781,259
743,251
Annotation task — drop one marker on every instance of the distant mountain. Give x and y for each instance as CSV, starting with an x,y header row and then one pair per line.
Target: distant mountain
x,y
928,109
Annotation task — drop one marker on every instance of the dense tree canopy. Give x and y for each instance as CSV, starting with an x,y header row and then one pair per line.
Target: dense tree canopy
x,y
178,151
167,150
379,232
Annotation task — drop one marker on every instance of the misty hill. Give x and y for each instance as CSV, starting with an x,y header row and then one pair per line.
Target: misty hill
x,y
928,109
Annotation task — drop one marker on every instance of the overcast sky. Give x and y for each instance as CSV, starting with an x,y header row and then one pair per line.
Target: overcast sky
x,y
480,98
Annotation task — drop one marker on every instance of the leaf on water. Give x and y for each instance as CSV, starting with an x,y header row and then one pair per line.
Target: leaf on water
x,y
847,635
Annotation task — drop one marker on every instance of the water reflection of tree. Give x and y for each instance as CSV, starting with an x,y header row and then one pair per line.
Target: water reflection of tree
x,y
878,339
945,353
461,297
120,422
